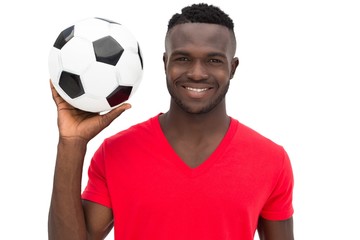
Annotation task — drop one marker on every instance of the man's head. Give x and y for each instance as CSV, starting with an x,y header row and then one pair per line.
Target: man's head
x,y
199,58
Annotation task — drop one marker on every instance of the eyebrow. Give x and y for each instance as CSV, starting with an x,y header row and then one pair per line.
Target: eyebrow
x,y
211,54
217,54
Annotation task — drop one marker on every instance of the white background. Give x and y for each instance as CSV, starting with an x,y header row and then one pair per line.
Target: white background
x,y
297,83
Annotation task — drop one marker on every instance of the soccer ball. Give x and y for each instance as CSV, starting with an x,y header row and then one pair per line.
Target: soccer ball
x,y
96,64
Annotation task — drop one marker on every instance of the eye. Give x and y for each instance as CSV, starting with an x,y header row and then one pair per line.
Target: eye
x,y
214,60
182,59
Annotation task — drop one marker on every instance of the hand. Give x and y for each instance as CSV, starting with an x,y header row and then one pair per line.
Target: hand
x,y
75,124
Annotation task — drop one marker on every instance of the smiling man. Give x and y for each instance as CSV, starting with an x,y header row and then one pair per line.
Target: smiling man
x,y
192,172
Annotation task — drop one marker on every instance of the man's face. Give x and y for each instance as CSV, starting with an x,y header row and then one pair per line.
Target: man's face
x,y
199,64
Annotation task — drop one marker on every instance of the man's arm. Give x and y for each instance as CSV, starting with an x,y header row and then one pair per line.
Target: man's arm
x,y
66,215
99,220
70,217
275,230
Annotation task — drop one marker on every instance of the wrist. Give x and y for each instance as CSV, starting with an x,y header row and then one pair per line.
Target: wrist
x,y
72,148
71,142
70,156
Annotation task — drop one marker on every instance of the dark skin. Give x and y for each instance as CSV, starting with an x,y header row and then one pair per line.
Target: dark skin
x,y
69,216
199,63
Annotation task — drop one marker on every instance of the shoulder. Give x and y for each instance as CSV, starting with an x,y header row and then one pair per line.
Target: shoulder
x,y
250,136
139,131
255,145
264,156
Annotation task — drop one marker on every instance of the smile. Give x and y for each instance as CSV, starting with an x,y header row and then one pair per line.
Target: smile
x,y
196,89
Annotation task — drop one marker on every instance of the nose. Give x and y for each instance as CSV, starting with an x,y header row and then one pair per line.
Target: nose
x,y
197,71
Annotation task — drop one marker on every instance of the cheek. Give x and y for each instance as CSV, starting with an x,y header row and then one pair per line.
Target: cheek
x,y
222,76
174,73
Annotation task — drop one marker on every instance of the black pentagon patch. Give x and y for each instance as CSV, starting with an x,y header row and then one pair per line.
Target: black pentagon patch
x,y
64,37
107,50
119,95
141,60
107,20
71,84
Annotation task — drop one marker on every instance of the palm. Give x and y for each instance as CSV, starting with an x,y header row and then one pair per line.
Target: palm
x,y
75,123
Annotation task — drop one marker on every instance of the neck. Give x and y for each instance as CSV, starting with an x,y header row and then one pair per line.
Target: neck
x,y
193,126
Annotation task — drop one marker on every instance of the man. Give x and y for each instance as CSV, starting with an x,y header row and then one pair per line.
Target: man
x,y
190,173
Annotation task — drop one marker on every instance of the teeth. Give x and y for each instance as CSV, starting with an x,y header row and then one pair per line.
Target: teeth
x,y
196,89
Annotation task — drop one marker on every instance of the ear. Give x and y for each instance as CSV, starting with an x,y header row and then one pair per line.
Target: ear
x,y
164,60
234,65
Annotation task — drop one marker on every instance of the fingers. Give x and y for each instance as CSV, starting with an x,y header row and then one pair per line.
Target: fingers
x,y
53,91
55,94
103,120
59,101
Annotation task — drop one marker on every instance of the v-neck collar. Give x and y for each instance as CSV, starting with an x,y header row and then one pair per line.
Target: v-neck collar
x,y
171,156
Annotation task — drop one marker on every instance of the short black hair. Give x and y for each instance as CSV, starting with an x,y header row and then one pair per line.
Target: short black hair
x,y
201,13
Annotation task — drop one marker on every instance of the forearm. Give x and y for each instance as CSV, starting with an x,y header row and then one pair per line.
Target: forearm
x,y
66,216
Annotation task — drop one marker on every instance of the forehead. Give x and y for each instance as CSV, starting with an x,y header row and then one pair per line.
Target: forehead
x,y
199,35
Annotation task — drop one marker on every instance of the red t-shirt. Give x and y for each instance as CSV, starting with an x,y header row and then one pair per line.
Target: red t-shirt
x,y
154,195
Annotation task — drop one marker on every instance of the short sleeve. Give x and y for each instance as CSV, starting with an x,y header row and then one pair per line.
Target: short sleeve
x,y
279,204
96,189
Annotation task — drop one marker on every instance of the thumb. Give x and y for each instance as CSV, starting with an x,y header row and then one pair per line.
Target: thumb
x,y
109,117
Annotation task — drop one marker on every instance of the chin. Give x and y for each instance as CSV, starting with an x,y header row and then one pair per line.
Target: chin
x,y
197,110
